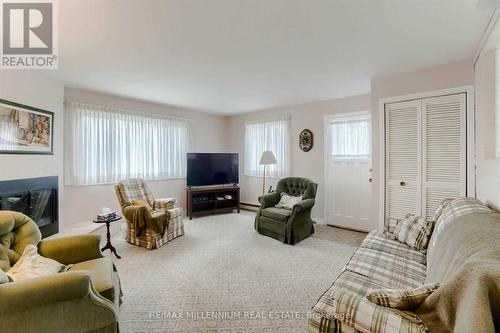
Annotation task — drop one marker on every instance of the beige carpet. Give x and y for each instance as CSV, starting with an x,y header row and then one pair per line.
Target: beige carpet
x,y
222,276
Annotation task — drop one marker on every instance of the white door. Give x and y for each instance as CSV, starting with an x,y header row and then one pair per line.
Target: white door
x,y
425,159
402,142
444,158
348,170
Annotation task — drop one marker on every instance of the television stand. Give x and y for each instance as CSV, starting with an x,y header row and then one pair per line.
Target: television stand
x,y
212,200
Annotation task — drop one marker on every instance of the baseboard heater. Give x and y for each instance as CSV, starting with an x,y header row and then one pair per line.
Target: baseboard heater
x,y
347,228
249,206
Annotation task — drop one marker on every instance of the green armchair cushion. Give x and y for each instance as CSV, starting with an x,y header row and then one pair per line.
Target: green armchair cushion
x,y
71,249
269,200
101,275
16,232
27,294
304,205
297,186
64,302
280,214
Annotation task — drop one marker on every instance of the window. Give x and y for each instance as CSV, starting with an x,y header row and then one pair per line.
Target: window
x,y
262,135
349,136
105,145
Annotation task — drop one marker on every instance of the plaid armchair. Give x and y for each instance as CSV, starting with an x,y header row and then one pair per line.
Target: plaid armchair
x,y
150,222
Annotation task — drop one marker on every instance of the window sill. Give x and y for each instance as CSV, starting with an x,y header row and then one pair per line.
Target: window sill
x,y
267,177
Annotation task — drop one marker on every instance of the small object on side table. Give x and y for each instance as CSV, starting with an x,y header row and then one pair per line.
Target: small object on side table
x,y
108,245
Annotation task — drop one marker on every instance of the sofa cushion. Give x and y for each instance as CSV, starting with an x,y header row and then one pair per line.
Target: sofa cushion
x,y
377,240
402,299
414,231
344,305
388,270
280,214
101,275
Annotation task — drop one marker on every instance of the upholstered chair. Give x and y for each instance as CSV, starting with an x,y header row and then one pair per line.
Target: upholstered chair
x,y
288,226
150,222
85,298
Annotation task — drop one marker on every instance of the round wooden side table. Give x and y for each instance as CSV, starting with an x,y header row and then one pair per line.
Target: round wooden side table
x,y
108,245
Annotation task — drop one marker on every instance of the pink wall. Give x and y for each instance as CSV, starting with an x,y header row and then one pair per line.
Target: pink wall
x,y
303,164
208,135
423,80
38,90
216,133
488,167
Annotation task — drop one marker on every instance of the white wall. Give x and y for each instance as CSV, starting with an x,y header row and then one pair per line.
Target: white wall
x,y
303,164
488,167
33,88
83,202
423,80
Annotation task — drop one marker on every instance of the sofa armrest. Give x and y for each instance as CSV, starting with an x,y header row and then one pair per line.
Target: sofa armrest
x,y
164,203
269,200
304,205
23,295
72,249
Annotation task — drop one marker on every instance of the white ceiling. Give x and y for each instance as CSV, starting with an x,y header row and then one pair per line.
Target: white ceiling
x,y
234,56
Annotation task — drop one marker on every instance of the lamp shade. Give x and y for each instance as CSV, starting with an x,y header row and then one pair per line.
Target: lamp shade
x,y
267,158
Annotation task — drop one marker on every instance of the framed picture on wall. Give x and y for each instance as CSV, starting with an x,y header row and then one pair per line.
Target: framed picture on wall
x,y
25,129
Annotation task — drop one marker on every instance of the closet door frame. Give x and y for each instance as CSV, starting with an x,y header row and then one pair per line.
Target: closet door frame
x,y
470,137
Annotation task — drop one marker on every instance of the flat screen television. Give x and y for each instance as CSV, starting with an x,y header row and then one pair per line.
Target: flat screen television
x,y
204,169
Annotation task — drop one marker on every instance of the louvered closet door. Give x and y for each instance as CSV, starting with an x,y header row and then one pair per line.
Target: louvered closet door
x,y
444,153
402,146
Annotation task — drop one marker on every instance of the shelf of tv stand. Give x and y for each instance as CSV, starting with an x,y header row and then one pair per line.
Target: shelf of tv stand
x,y
209,204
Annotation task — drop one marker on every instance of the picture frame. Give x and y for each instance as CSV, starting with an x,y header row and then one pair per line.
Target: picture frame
x,y
25,129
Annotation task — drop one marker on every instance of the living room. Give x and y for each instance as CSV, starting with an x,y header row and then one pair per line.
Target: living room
x,y
307,96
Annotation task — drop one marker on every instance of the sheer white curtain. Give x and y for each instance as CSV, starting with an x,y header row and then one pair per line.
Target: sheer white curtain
x,y
350,137
269,134
105,145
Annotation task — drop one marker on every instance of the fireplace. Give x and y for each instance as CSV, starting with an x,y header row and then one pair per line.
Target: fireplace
x,y
35,197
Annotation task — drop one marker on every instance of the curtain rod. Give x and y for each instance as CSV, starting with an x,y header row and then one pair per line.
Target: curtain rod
x,y
128,111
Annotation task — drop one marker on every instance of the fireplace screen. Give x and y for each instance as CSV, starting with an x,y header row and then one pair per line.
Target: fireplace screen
x,y
35,197
36,204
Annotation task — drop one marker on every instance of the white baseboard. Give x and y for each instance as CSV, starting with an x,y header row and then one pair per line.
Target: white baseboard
x,y
88,227
319,220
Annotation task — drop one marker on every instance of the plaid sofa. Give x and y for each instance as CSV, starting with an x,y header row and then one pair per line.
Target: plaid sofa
x,y
382,262
137,189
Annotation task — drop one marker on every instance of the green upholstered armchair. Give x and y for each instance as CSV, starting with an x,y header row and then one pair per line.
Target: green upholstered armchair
x,y
288,226
86,298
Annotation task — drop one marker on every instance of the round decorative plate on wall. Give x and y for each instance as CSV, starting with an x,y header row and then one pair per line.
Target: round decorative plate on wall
x,y
306,140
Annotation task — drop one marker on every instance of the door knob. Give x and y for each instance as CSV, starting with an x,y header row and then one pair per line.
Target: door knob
x,y
402,183
370,180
